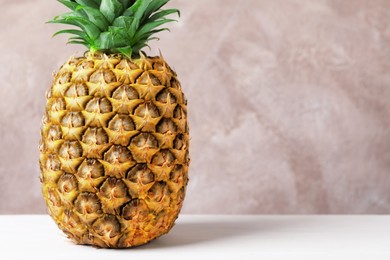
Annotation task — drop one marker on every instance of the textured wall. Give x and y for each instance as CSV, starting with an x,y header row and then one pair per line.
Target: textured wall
x,y
289,102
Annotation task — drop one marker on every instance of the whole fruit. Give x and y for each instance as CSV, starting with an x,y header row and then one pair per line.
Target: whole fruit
x,y
114,148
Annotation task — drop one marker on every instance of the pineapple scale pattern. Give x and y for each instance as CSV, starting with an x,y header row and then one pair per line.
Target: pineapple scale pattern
x,y
114,149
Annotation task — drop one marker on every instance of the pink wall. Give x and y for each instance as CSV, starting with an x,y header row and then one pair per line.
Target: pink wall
x,y
289,102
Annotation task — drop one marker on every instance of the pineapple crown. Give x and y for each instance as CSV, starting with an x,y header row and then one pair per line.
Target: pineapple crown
x,y
114,26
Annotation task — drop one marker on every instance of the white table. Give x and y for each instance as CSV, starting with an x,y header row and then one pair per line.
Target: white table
x,y
204,237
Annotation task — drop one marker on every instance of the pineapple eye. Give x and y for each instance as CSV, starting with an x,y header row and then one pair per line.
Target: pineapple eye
x,y
135,209
87,203
67,183
73,119
90,168
117,154
107,226
178,112
71,219
147,78
177,174
99,105
159,65
158,191
105,106
164,96
70,150
85,64
113,188
163,157
140,174
53,163
57,104
179,142
125,91
147,109
166,126
95,136
64,78
121,123
145,140
53,198
99,76
125,64
77,90
54,133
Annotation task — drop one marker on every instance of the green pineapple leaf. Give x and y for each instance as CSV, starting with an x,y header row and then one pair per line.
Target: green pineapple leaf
x,y
77,42
150,26
111,9
114,26
130,11
162,14
153,7
76,32
90,3
71,5
137,11
95,16
88,27
126,3
123,21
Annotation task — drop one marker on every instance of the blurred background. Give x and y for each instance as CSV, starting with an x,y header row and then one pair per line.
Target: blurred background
x,y
289,103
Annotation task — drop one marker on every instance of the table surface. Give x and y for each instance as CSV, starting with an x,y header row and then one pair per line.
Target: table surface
x,y
214,237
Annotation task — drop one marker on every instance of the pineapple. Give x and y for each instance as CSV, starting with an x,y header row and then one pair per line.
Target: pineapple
x,y
114,138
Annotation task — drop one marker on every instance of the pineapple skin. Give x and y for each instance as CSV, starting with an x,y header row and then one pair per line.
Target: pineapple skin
x,y
114,149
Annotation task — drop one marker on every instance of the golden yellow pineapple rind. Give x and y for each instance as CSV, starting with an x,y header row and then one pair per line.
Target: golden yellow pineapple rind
x,y
114,149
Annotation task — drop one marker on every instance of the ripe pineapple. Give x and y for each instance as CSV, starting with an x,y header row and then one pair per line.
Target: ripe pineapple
x,y
114,148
